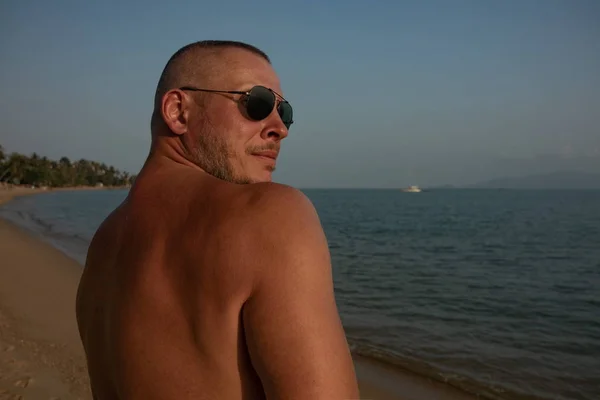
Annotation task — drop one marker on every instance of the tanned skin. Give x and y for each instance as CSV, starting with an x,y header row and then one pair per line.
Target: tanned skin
x,y
206,287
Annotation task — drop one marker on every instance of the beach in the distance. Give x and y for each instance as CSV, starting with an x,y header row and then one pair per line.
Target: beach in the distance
x,y
40,351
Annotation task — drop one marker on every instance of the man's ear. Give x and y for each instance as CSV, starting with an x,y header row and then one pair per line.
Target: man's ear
x,y
175,111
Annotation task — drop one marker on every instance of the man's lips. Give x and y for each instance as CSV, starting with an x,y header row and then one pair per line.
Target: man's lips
x,y
267,154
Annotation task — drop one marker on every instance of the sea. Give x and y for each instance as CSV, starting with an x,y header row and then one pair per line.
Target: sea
x,y
496,292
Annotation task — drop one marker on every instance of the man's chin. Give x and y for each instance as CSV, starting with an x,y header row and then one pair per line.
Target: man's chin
x,y
255,174
263,180
264,176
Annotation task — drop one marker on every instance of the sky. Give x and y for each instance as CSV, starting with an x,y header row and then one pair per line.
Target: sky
x,y
385,93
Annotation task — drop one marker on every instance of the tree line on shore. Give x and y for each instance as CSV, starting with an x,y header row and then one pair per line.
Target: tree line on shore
x,y
20,169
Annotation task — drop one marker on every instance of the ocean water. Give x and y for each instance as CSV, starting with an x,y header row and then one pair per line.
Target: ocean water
x,y
493,291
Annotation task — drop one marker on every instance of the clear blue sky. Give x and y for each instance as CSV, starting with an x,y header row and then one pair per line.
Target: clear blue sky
x,y
386,93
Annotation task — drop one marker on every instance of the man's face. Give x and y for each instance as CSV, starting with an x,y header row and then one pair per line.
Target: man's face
x,y
225,142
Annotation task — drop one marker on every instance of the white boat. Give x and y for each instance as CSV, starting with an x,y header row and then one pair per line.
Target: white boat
x,y
412,189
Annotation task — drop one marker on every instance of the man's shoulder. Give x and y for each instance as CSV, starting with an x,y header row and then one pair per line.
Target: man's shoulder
x,y
278,207
257,216
283,224
267,192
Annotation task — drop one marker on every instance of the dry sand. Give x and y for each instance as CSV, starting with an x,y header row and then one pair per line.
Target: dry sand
x,y
41,356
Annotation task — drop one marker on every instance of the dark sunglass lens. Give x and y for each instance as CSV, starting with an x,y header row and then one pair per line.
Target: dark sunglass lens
x,y
260,103
286,113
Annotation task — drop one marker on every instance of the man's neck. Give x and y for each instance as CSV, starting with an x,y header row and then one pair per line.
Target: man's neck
x,y
170,151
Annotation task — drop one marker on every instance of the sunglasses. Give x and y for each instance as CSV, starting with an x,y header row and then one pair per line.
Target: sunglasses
x,y
259,102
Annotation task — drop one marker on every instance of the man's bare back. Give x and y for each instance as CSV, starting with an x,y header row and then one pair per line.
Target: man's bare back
x,y
196,287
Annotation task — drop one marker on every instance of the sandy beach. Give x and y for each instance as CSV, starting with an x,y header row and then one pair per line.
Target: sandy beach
x,y
40,353
41,356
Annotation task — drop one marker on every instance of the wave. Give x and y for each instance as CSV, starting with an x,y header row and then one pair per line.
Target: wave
x,y
74,245
431,371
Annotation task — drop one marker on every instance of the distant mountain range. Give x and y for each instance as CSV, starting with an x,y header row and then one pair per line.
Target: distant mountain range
x,y
555,180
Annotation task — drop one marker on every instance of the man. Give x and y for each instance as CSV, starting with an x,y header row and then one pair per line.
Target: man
x,y
209,281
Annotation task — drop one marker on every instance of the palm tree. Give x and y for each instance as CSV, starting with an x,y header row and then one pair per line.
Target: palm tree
x,y
40,170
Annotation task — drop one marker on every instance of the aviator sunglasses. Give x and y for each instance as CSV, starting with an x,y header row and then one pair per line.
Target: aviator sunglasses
x,y
259,102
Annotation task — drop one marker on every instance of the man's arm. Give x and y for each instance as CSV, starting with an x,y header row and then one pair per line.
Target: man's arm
x,y
294,334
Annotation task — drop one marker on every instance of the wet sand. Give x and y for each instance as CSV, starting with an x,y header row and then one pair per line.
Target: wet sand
x,y
41,356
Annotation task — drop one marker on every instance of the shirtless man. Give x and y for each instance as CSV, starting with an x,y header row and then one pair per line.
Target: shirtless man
x,y
209,281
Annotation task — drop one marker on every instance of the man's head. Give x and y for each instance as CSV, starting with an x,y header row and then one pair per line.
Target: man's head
x,y
215,128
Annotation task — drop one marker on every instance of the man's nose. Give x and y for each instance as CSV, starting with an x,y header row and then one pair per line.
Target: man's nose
x,y
276,129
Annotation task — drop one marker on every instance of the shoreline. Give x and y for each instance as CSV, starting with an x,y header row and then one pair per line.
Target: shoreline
x,y
41,355
40,352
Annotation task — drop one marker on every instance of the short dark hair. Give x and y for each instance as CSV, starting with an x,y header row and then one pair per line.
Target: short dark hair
x,y
172,71
216,44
